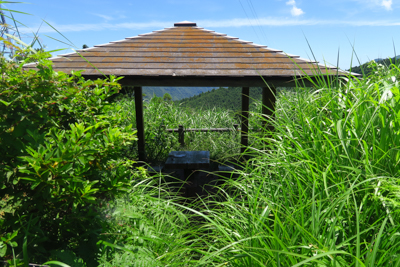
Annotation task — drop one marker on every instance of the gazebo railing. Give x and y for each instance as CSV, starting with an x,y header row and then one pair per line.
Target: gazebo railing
x,y
181,131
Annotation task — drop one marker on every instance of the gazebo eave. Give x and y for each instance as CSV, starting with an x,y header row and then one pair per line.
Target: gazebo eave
x,y
209,81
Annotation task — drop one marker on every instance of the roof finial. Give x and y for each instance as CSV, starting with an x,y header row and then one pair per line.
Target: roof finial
x,y
185,24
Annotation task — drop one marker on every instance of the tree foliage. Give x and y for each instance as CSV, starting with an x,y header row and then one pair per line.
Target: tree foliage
x,y
61,149
225,98
167,97
367,69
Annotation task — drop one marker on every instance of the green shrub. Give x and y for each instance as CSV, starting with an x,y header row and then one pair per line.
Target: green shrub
x,y
61,149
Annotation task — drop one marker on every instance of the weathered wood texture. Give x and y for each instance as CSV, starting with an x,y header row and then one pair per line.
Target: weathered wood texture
x,y
203,130
187,52
188,160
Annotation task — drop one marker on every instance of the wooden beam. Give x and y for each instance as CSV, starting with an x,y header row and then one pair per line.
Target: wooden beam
x,y
140,122
268,112
209,81
268,109
245,119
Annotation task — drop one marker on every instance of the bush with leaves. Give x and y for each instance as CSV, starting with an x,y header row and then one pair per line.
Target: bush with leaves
x,y
61,150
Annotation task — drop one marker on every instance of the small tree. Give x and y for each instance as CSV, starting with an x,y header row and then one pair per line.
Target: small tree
x,y
167,97
26,55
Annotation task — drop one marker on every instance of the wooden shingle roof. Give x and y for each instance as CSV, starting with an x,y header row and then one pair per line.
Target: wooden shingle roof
x,y
186,50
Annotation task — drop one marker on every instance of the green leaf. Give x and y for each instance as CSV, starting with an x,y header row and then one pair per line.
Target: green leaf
x,y
82,160
118,247
3,249
59,263
9,173
5,103
34,185
14,234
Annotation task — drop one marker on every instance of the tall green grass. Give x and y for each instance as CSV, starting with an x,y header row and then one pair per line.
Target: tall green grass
x,y
161,115
322,191
325,191
146,229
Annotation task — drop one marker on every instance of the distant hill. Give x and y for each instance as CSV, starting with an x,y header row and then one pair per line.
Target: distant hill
x,y
226,98
176,93
364,67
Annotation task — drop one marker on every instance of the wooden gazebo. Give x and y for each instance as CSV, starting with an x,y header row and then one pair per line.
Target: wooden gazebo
x,y
187,55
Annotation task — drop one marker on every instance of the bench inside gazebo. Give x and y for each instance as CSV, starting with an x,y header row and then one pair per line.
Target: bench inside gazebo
x,y
187,55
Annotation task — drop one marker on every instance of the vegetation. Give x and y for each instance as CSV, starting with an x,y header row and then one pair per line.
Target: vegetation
x,y
224,98
161,113
177,93
322,189
366,70
60,152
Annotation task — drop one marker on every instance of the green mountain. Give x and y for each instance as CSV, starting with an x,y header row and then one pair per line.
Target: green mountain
x,y
176,93
225,98
367,71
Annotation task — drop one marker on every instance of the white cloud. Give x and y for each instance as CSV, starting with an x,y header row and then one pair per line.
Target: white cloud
x,y
276,21
104,16
295,11
387,4
211,24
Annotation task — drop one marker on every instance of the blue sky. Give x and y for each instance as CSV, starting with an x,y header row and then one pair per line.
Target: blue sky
x,y
372,26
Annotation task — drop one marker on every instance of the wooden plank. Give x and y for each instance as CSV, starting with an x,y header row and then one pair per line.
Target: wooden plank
x,y
227,73
104,53
164,34
186,49
204,36
222,81
140,122
187,41
133,45
238,60
191,51
218,65
182,52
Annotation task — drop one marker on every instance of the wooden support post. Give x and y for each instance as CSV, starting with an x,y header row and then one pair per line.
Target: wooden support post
x,y
245,118
181,135
268,109
140,122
